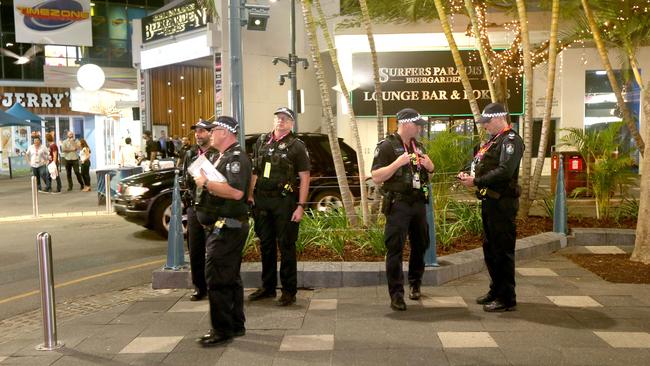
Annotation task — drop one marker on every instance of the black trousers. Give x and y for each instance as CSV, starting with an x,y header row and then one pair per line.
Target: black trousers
x,y
73,165
196,248
225,288
405,218
275,229
499,245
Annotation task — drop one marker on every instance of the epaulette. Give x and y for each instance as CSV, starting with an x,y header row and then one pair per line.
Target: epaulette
x,y
511,135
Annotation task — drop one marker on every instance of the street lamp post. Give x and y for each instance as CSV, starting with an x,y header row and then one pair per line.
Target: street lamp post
x,y
292,61
236,74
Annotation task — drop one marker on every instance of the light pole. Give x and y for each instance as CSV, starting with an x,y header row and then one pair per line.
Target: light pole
x,y
256,20
292,61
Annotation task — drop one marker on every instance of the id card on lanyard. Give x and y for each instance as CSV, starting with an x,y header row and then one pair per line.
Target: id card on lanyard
x,y
479,155
415,160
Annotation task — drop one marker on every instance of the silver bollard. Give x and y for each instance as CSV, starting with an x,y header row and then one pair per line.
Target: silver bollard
x,y
48,306
107,182
35,196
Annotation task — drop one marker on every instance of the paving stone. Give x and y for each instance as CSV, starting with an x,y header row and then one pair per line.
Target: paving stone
x,y
444,302
396,357
317,357
323,304
532,355
605,356
174,324
198,357
618,300
143,359
152,345
475,356
42,360
190,306
466,340
316,342
604,249
539,272
574,301
625,339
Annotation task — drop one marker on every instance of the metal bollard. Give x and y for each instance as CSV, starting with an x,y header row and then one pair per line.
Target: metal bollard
x,y
48,306
34,196
560,210
107,182
430,256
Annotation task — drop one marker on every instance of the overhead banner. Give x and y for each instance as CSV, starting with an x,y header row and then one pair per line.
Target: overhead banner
x,y
60,22
427,81
181,19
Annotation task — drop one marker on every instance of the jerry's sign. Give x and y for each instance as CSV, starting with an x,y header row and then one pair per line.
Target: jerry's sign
x,y
427,81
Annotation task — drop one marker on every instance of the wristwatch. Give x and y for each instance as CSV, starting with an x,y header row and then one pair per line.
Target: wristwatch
x,y
301,205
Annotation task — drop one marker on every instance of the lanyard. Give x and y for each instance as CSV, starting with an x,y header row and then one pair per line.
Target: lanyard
x,y
487,145
417,156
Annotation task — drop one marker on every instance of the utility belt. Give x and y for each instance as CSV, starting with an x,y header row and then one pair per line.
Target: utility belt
x,y
390,197
485,193
282,191
225,222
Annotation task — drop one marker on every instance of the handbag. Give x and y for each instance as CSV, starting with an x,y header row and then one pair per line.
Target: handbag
x,y
53,170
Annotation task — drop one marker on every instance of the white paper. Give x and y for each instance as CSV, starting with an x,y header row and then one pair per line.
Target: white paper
x,y
201,164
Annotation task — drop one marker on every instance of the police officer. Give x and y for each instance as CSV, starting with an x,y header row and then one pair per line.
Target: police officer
x,y
279,204
403,167
494,173
195,232
224,213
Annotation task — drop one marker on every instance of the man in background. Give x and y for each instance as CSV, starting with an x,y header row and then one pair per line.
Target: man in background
x,y
70,148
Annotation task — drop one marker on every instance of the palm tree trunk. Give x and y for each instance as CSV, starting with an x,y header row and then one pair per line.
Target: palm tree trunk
x,y
353,121
444,21
604,58
346,195
550,85
474,20
365,18
641,251
527,121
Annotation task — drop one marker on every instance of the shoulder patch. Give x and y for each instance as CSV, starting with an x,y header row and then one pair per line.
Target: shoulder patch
x,y
511,135
377,151
235,167
510,149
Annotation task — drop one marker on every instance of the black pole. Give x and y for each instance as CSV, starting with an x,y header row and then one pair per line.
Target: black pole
x,y
292,64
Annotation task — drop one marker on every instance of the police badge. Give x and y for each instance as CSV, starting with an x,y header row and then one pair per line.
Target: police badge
x,y
235,167
282,146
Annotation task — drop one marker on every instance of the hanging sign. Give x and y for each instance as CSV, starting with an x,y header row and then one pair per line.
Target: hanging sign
x,y
427,81
60,22
181,19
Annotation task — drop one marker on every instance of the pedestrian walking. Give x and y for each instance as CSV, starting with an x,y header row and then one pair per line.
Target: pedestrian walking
x,y
494,172
226,206
84,157
193,195
37,157
70,148
279,201
403,167
54,158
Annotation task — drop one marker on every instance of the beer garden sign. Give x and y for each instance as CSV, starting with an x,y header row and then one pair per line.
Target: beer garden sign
x,y
427,81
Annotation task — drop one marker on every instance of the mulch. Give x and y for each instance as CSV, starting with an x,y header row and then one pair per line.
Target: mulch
x,y
614,268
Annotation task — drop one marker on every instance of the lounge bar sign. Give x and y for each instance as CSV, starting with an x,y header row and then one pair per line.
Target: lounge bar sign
x,y
181,19
425,80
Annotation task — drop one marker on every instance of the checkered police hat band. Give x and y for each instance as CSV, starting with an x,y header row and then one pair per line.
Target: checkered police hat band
x,y
226,126
492,115
412,119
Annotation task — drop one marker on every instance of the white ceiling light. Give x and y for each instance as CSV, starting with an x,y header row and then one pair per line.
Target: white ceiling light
x,y
91,77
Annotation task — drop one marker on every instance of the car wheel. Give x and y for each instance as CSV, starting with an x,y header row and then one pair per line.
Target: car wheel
x,y
162,215
327,200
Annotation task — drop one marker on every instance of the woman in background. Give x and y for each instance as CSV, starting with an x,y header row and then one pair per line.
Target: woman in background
x,y
84,157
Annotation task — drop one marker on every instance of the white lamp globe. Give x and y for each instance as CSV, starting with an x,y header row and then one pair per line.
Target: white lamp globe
x,y
91,77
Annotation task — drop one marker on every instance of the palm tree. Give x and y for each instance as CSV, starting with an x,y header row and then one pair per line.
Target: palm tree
x,y
330,125
474,21
353,121
602,52
546,123
641,251
444,22
365,19
527,122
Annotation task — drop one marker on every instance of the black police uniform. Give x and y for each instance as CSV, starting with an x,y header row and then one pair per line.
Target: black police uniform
x,y
495,176
226,221
405,208
276,165
195,231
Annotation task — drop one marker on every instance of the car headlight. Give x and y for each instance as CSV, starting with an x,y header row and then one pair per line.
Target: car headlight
x,y
135,191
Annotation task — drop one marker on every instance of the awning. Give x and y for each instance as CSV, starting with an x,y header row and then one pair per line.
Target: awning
x,y
7,119
18,111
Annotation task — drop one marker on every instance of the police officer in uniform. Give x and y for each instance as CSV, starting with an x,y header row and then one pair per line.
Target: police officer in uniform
x,y
224,213
494,173
279,204
195,232
403,167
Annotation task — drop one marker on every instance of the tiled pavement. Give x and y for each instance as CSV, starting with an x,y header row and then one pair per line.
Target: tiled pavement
x,y
566,316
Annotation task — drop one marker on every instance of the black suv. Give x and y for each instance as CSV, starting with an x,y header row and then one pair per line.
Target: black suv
x,y
146,198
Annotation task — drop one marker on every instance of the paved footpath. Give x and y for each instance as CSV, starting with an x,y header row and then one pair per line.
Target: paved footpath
x,y
566,316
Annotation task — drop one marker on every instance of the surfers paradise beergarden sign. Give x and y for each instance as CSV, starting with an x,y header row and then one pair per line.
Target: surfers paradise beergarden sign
x,y
61,22
181,19
425,80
